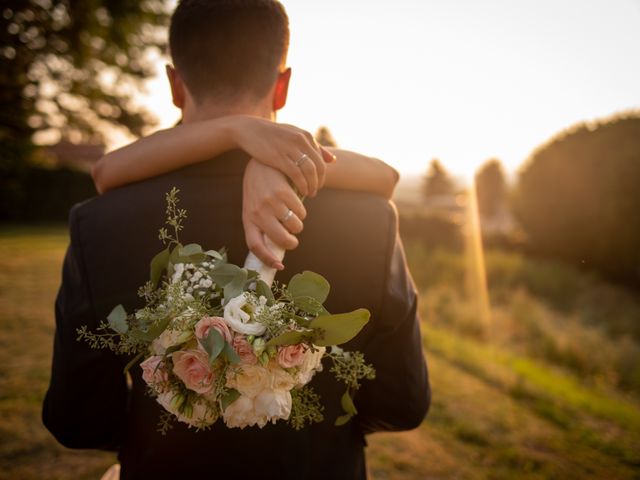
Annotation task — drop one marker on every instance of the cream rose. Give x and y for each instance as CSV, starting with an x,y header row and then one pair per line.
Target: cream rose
x,y
249,380
272,405
291,355
192,367
244,350
201,415
207,323
169,338
238,319
311,364
280,379
240,413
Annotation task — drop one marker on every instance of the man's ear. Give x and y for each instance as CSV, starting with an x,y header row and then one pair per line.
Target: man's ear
x,y
177,87
282,89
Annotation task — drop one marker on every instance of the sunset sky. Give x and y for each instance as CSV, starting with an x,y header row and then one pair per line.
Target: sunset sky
x,y
461,80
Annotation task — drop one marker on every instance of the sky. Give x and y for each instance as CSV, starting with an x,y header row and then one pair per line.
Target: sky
x,y
460,80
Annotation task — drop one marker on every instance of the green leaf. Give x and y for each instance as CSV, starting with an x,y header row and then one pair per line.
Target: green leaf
x,y
175,254
231,396
190,249
225,273
230,353
158,266
347,404
309,284
213,344
118,319
310,305
213,254
262,289
236,286
343,419
287,338
154,331
340,328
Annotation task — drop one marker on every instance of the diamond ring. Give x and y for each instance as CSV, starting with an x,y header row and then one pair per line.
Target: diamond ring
x,y
287,216
301,159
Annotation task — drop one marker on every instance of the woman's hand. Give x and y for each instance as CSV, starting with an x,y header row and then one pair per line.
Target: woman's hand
x,y
286,148
267,199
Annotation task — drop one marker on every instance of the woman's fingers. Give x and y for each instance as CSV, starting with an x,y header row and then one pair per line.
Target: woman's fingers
x,y
297,176
276,231
255,242
327,156
308,168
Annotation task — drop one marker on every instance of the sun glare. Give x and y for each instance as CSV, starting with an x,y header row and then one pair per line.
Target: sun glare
x,y
460,81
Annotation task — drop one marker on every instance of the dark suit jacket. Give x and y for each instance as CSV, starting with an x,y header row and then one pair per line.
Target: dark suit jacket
x,y
350,238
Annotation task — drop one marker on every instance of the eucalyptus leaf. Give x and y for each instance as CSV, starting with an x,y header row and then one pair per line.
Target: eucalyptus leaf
x,y
236,286
287,338
190,249
343,419
213,344
213,254
347,404
262,289
230,353
118,319
175,254
153,332
159,265
309,284
224,273
231,396
310,305
340,328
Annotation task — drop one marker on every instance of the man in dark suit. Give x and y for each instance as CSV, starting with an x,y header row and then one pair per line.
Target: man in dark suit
x,y
229,57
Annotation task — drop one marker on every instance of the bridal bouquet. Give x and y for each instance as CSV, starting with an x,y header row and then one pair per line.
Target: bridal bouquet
x,y
217,342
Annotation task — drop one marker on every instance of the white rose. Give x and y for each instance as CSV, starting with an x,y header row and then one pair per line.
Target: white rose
x,y
250,380
311,364
240,413
272,405
239,320
202,414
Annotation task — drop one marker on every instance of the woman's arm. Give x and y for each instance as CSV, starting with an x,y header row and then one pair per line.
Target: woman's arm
x,y
276,145
357,172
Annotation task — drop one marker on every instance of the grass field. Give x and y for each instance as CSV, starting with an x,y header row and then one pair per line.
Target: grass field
x,y
549,389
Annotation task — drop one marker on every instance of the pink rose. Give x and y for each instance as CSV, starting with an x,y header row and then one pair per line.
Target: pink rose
x,y
244,350
192,367
291,355
206,323
153,372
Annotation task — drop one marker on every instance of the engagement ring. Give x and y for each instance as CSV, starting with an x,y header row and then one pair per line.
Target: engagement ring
x,y
287,216
302,159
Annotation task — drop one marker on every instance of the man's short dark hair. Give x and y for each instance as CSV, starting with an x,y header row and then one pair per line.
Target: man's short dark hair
x,y
229,48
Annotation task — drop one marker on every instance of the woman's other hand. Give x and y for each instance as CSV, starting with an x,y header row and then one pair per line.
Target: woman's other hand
x,y
267,199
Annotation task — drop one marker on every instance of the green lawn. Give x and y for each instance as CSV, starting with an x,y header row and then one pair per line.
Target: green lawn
x,y
503,406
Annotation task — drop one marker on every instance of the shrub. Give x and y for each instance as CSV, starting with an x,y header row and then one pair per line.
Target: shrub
x,y
578,199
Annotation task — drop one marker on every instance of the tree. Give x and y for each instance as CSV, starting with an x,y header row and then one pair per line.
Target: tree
x,y
324,137
578,196
71,69
437,181
491,187
68,70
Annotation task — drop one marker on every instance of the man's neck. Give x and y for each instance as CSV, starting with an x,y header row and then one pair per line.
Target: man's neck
x,y
216,110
